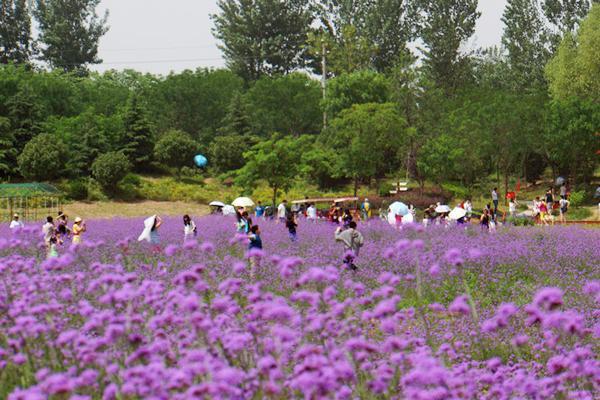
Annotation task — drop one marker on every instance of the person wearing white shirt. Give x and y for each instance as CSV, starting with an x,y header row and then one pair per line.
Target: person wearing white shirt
x,y
282,211
512,208
311,213
48,230
15,223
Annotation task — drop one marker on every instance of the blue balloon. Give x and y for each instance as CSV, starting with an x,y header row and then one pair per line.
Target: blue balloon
x,y
200,161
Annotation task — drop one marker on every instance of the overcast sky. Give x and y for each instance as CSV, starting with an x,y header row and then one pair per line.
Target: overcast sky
x,y
159,37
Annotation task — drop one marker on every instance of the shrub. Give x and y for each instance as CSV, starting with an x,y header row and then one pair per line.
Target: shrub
x,y
385,188
109,169
42,158
176,149
577,198
78,189
131,179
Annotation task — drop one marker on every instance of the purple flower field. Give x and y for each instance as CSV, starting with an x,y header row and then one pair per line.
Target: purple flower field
x,y
430,314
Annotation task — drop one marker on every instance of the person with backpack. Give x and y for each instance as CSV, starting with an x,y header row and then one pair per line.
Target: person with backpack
x,y
352,240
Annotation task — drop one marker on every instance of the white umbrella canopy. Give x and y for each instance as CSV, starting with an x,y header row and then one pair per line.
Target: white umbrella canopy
x,y
228,210
399,208
442,209
217,204
457,213
243,202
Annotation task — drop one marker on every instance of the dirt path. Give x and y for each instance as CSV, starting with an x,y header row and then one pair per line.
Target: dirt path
x,y
100,210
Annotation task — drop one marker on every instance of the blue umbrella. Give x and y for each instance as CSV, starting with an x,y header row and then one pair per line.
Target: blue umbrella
x,y
399,208
200,161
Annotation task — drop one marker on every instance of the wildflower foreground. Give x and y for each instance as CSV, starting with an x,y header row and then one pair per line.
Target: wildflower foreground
x,y
435,314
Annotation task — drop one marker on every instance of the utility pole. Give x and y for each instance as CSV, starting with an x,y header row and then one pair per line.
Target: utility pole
x,y
324,78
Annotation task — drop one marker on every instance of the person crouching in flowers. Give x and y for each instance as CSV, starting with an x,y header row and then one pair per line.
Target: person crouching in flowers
x,y
78,229
150,232
189,228
254,246
353,240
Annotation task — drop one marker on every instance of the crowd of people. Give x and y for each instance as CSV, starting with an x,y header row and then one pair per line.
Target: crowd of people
x,y
544,210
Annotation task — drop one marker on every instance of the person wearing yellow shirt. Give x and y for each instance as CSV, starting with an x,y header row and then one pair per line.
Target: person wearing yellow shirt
x,y
78,229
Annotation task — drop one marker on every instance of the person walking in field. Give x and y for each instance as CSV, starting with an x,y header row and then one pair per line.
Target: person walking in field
x,y
543,213
50,237
254,244
189,228
282,211
495,199
78,229
292,225
259,211
365,208
16,224
62,227
150,233
485,219
564,207
311,213
352,240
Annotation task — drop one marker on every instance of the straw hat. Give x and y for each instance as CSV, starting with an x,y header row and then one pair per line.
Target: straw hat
x,y
16,216
78,220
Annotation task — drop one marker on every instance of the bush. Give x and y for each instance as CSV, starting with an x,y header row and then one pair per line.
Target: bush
x,y
385,189
109,169
577,198
78,190
176,149
42,158
131,180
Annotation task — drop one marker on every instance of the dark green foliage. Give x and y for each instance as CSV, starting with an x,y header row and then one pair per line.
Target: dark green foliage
x,y
526,40
43,158
8,151
361,87
227,152
237,121
16,43
262,37
446,26
287,104
78,189
139,138
70,46
25,115
565,15
109,169
176,149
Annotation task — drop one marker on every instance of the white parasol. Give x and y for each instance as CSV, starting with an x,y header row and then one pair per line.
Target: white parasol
x,y
243,202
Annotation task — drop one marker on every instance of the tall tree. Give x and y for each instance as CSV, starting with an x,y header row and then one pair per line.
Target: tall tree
x,y
526,39
69,32
446,25
237,121
565,15
16,43
25,115
139,138
8,152
575,68
263,37
379,30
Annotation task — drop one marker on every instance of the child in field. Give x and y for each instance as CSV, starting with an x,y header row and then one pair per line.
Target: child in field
x,y
255,244
353,240
51,251
291,225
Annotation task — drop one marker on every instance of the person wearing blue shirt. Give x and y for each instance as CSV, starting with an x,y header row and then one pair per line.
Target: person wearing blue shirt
x,y
259,210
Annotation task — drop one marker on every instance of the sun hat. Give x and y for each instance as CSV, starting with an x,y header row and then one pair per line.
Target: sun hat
x,y
78,220
16,216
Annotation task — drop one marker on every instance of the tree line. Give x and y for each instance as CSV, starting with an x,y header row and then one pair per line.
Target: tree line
x,y
402,94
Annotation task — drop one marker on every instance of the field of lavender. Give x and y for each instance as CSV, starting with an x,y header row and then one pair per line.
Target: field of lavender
x,y
430,314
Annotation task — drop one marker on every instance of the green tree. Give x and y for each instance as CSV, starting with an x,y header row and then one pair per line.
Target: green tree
x,y
565,15
227,152
364,33
42,158
288,104
262,37
139,138
109,169
369,139
574,70
360,87
8,152
69,32
276,161
571,138
176,149
446,26
191,101
319,163
526,39
237,121
16,43
440,158
25,114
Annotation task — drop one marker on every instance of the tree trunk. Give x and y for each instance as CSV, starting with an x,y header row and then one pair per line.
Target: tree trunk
x,y
355,186
505,186
275,196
